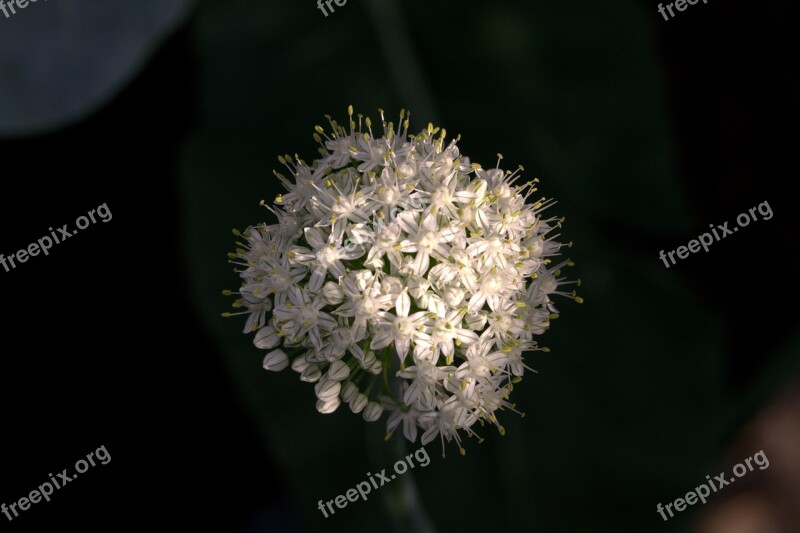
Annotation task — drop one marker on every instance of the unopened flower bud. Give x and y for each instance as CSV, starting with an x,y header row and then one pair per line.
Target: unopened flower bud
x,y
373,411
359,403
276,361
338,371
328,406
311,374
333,293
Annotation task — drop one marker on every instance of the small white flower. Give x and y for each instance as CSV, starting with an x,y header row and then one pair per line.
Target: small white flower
x,y
400,328
401,413
362,305
446,420
426,378
303,316
339,148
426,238
322,257
445,330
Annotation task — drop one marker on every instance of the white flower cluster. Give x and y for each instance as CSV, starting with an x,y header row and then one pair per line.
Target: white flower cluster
x,y
395,261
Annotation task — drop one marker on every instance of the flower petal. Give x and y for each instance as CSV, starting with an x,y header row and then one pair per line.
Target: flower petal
x,y
403,304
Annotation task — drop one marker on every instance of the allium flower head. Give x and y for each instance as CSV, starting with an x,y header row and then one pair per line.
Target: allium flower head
x,y
401,277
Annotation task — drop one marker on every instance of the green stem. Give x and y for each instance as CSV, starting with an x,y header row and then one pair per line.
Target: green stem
x,y
401,496
369,388
404,502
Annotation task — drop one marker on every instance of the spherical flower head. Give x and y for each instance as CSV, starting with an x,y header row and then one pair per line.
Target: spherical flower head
x,y
400,277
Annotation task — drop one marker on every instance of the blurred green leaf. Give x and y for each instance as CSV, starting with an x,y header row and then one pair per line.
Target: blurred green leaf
x,y
572,91
63,60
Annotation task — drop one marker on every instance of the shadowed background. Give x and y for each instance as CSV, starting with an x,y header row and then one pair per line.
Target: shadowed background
x,y
173,114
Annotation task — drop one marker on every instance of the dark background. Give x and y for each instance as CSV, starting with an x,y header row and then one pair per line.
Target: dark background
x,y
106,341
